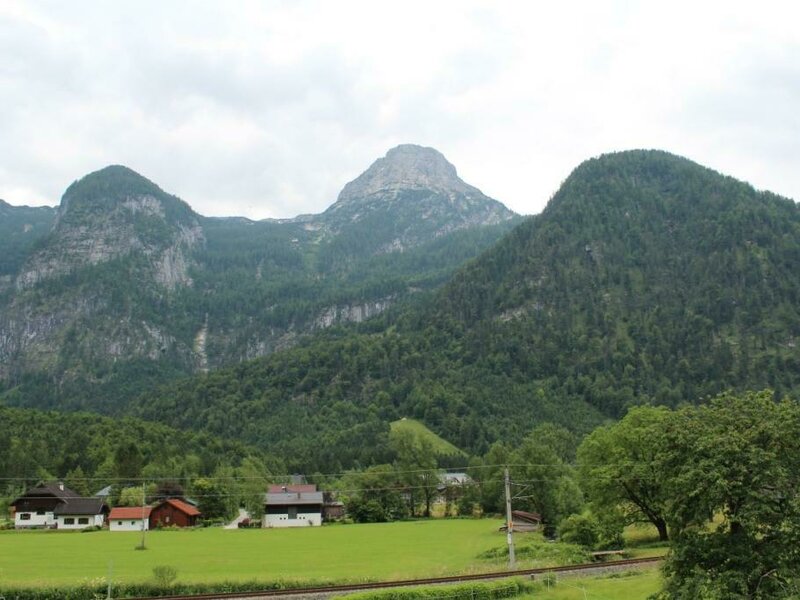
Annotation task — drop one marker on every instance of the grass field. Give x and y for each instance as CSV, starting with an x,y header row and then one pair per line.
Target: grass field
x,y
331,553
440,445
629,585
322,554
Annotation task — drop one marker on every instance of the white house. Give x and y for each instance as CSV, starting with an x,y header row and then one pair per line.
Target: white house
x,y
293,506
55,506
80,513
129,518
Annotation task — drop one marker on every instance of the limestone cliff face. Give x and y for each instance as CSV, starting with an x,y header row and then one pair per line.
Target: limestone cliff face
x,y
65,309
124,282
111,214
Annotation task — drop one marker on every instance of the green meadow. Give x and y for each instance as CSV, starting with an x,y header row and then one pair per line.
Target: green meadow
x,y
438,444
330,553
335,553
627,585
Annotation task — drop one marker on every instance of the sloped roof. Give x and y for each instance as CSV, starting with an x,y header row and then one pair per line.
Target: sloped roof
x,y
129,512
106,491
294,499
296,488
182,506
529,517
81,506
51,489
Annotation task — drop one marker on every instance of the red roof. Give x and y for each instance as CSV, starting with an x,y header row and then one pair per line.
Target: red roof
x,y
129,512
303,488
182,506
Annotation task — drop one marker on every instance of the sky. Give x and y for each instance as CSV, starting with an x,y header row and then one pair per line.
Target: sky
x,y
266,109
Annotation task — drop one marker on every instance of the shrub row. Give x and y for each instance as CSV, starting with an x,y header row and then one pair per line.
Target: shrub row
x,y
91,591
484,590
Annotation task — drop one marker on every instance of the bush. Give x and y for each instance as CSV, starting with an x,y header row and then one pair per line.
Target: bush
x,y
465,591
590,532
164,575
580,529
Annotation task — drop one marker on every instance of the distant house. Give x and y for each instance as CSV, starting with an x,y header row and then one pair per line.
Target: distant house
x,y
298,505
56,506
332,509
174,512
129,518
80,513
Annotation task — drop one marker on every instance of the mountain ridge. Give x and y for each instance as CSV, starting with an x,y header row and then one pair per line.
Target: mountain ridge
x,y
130,275
648,279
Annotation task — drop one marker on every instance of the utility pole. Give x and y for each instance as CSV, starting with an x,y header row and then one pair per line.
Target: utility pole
x,y
512,560
143,509
110,573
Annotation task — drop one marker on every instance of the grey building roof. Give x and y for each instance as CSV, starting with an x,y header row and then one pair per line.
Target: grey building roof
x,y
51,490
81,506
106,491
293,498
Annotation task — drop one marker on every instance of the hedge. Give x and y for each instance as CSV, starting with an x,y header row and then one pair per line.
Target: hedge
x,y
483,590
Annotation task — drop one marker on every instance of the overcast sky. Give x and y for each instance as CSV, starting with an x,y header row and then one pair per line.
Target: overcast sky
x,y
266,109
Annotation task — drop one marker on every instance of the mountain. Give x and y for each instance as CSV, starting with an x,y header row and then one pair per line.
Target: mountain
x,y
647,279
130,287
408,197
21,228
111,214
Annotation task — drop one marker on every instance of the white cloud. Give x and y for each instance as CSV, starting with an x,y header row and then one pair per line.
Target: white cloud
x,y
268,108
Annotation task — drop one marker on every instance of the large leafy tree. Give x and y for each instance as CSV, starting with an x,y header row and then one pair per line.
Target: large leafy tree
x,y
736,461
620,467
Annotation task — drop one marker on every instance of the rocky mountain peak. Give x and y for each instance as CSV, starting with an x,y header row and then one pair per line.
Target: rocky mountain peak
x,y
111,213
120,191
407,167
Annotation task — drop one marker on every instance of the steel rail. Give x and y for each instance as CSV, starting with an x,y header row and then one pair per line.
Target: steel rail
x,y
354,587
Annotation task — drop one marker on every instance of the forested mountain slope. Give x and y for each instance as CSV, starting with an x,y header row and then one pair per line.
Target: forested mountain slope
x,y
130,287
21,227
648,278
46,445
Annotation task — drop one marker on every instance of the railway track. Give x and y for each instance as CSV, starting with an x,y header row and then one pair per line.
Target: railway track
x,y
355,587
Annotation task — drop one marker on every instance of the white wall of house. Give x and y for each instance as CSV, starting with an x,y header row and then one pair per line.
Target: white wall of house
x,y
34,519
79,521
127,524
302,520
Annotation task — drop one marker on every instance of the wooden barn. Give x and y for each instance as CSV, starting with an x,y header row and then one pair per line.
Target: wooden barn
x,y
174,512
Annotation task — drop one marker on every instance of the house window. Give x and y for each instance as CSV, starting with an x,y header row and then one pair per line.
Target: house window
x,y
69,521
133,522
24,516
119,523
83,520
40,512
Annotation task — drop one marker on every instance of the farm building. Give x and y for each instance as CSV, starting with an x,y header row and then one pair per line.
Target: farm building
x,y
524,521
173,512
298,505
80,513
129,518
56,506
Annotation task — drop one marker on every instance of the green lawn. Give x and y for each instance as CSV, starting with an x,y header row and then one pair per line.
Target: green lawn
x,y
331,553
322,554
629,585
439,444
